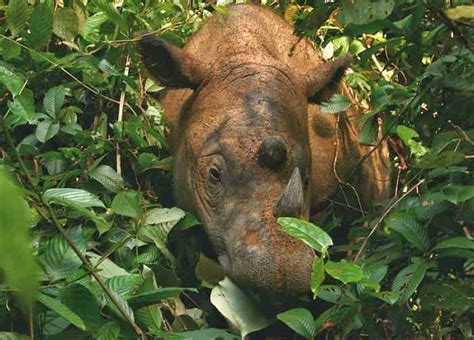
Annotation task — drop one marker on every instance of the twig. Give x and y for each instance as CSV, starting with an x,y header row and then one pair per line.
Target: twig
x,y
86,263
380,220
334,166
31,323
118,157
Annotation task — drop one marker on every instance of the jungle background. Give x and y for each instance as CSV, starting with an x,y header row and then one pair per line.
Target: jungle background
x,y
91,245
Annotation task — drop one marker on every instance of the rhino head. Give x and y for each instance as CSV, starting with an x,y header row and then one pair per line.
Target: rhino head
x,y
242,157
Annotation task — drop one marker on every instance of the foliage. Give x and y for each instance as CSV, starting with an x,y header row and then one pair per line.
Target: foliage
x,y
84,134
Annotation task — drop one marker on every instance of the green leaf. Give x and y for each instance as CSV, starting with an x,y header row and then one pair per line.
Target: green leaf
x,y
46,130
23,106
108,68
81,301
160,294
108,177
406,134
54,100
364,11
317,275
306,231
13,336
17,15
125,285
128,203
388,297
300,320
92,25
109,331
458,193
238,308
70,196
10,79
407,280
344,271
163,220
66,23
456,242
10,50
123,304
207,334
112,13
329,293
41,25
59,259
337,103
405,223
460,12
16,258
107,267
64,311
447,158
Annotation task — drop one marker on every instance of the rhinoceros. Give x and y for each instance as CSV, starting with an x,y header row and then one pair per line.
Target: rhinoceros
x,y
251,145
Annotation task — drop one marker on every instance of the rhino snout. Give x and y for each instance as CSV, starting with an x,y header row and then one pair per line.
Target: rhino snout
x,y
270,263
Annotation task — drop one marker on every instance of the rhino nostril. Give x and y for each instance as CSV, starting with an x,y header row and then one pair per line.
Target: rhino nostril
x,y
272,152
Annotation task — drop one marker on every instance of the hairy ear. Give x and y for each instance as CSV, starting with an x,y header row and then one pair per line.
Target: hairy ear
x,y
172,66
324,75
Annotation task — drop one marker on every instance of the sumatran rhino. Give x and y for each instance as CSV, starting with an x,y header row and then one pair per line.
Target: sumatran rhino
x,y
249,144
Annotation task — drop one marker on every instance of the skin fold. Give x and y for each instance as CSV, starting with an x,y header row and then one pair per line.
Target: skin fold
x,y
250,145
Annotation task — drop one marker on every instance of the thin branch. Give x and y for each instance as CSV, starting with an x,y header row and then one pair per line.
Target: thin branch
x,y
380,220
118,157
86,263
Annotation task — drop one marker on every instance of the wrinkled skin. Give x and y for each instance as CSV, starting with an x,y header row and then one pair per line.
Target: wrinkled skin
x,y
249,144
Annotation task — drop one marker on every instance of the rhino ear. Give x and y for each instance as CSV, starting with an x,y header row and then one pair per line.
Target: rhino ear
x,y
325,75
172,66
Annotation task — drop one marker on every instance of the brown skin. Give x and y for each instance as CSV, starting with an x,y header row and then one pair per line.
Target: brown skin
x,y
243,126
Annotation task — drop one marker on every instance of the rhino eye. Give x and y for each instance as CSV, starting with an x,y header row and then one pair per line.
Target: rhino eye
x,y
214,175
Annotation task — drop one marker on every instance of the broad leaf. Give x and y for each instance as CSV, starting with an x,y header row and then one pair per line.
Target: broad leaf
x,y
70,196
405,223
317,275
407,280
460,242
337,103
300,320
310,234
17,15
82,302
23,106
66,23
364,11
10,79
108,177
458,193
128,203
238,308
344,271
41,25
54,100
46,130
59,260
113,14
62,310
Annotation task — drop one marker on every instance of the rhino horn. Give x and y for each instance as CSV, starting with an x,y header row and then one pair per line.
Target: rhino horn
x,y
291,201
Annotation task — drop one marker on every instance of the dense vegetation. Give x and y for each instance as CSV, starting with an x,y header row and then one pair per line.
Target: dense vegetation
x,y
83,137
